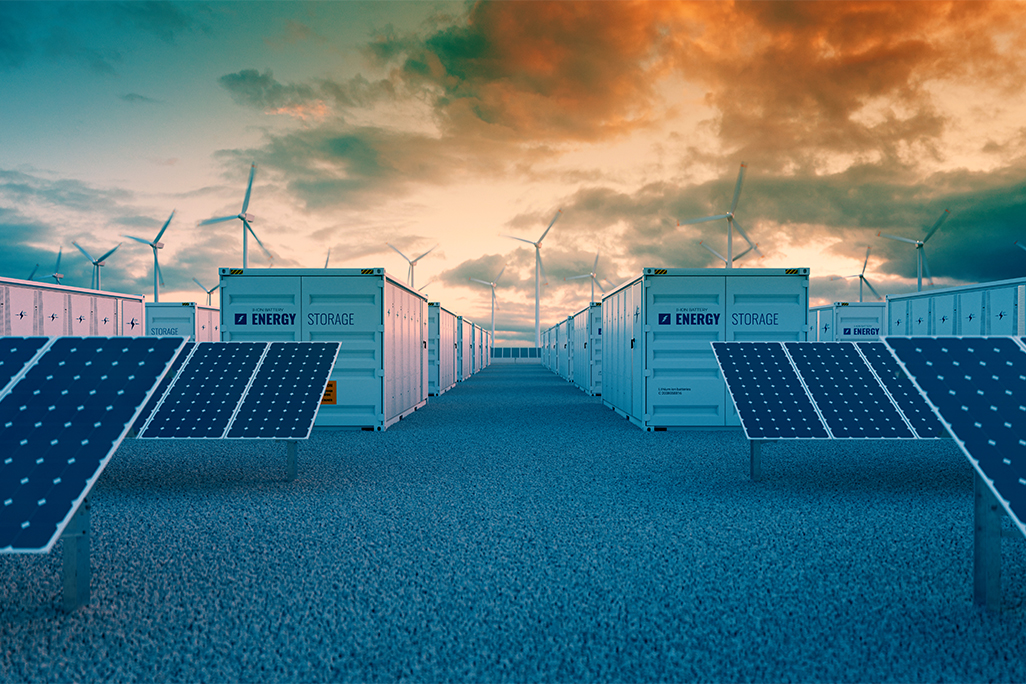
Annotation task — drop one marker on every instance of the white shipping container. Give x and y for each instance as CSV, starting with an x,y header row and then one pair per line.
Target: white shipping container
x,y
658,367
465,339
29,308
996,308
563,348
198,323
821,320
587,349
442,349
381,368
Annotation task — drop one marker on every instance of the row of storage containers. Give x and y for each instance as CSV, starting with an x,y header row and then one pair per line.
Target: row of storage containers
x,y
995,308
396,347
29,308
573,349
848,321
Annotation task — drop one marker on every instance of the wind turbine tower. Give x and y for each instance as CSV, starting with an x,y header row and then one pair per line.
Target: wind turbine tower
x,y
492,285
539,275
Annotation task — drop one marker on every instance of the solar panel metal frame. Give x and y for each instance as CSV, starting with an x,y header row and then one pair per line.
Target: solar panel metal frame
x,y
819,413
105,460
242,398
1019,342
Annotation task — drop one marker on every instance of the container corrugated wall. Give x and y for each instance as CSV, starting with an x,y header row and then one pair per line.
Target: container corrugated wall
x,y
199,323
29,308
587,349
658,368
465,367
442,349
996,308
381,368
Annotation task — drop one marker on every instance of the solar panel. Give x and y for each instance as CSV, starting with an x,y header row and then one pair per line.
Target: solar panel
x,y
60,423
162,388
848,395
15,353
910,402
978,388
283,399
202,399
769,396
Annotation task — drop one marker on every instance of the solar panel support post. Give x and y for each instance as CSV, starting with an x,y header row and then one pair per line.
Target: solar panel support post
x,y
77,573
756,460
291,469
986,546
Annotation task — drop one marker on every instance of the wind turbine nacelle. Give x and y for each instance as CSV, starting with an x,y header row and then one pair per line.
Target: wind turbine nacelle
x,y
158,245
247,217
100,263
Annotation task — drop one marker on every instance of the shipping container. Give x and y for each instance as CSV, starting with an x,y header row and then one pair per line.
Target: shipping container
x,y
821,322
995,308
465,353
29,308
848,321
380,373
658,367
442,349
587,349
563,348
199,323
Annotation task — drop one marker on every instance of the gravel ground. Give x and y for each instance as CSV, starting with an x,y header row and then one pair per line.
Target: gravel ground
x,y
515,530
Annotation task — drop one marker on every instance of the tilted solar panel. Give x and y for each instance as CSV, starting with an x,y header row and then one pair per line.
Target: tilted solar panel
x,y
162,388
910,402
60,424
283,399
15,353
848,395
770,398
978,388
202,400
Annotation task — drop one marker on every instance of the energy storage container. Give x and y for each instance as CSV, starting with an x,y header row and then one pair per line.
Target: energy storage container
x,y
658,368
587,349
30,308
442,349
199,323
479,354
465,361
995,308
380,373
821,323
859,321
563,348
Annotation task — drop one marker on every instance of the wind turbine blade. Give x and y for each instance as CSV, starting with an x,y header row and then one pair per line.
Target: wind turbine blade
x,y
940,221
721,257
250,229
926,266
594,267
586,275
866,262
216,220
690,222
844,277
899,239
558,214
541,267
138,239
738,256
399,253
424,254
166,224
743,233
104,257
204,287
1020,245
33,274
57,268
504,270
512,237
327,258
480,281
249,188
87,256
156,265
599,284
871,288
737,187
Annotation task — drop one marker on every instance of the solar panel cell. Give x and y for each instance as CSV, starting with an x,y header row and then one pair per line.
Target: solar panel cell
x,y
906,396
60,424
978,386
769,396
15,353
848,395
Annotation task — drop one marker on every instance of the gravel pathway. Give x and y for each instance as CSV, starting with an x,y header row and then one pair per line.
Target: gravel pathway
x,y
515,530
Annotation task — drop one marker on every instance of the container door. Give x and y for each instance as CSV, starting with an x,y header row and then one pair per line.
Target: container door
x,y
970,313
53,307
595,346
898,320
919,317
944,315
859,323
684,314
1001,311
261,309
21,311
106,316
348,309
81,314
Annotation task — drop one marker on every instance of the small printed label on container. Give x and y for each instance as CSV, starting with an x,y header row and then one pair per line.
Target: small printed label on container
x,y
329,394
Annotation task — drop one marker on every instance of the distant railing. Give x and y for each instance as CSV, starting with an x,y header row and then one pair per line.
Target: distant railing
x,y
516,353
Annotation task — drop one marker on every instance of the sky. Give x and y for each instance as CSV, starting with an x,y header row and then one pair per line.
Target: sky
x,y
458,123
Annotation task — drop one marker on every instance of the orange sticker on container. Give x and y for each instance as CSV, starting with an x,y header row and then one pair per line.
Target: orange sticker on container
x,y
329,394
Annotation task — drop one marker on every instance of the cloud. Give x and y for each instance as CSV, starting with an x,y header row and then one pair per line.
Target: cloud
x,y
136,98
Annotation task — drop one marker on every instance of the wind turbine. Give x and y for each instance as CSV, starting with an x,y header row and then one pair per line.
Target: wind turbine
x,y
539,274
920,252
862,278
33,274
245,218
723,258
412,263
1017,244
593,276
97,263
209,292
155,244
731,222
57,275
492,285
